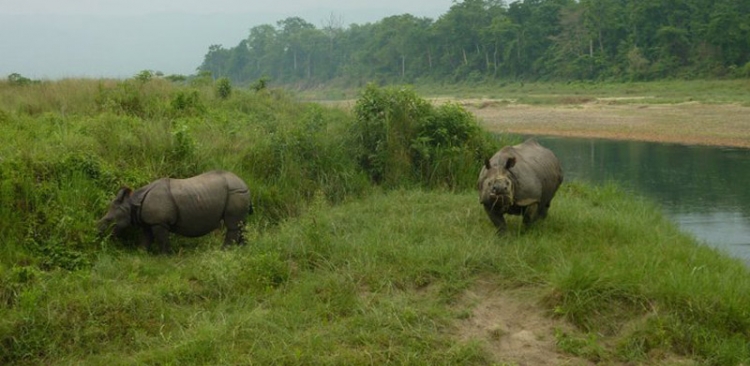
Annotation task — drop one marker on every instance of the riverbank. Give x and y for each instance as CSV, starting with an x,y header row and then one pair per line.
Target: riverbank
x,y
691,123
403,277
337,270
618,118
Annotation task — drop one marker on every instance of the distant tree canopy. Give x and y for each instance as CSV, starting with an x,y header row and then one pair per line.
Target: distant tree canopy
x,y
479,40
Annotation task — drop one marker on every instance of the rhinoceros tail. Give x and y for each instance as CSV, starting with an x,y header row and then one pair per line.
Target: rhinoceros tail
x,y
250,208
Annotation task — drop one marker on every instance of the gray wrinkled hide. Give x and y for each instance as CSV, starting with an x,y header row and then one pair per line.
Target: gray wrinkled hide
x,y
189,207
519,180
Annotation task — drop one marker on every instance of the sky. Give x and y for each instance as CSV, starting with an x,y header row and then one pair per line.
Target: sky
x,y
55,39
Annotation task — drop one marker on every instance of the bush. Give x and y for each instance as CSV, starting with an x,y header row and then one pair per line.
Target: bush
x,y
401,138
18,80
187,103
386,124
223,88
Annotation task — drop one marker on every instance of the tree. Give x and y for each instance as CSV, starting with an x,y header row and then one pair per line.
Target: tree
x,y
293,35
215,60
486,39
265,52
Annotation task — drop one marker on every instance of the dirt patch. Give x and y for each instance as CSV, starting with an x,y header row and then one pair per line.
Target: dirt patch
x,y
687,123
513,327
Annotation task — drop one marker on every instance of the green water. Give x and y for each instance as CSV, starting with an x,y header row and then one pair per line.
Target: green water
x,y
705,190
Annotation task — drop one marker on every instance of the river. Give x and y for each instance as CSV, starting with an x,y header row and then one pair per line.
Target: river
x,y
705,190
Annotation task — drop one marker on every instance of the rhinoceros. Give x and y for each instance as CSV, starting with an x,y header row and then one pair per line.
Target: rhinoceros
x,y
189,207
519,180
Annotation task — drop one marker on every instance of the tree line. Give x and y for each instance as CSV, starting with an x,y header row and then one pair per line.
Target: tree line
x,y
477,40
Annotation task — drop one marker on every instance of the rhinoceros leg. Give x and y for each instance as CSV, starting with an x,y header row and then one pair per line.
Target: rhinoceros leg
x,y
497,219
161,234
237,209
234,231
530,213
148,238
543,210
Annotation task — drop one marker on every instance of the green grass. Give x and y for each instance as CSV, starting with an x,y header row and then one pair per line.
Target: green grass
x,y
554,93
378,281
338,270
659,92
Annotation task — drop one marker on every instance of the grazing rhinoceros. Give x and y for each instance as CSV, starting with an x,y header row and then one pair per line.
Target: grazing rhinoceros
x,y
190,207
519,180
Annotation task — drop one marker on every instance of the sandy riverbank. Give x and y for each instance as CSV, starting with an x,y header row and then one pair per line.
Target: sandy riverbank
x,y
687,123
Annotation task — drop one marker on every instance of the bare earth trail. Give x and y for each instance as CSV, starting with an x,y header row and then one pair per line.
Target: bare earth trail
x,y
513,327
686,123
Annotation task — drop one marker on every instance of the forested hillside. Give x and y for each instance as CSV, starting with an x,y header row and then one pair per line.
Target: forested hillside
x,y
477,40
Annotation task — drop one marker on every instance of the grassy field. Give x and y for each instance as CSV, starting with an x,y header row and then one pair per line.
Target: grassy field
x,y
551,93
355,255
385,280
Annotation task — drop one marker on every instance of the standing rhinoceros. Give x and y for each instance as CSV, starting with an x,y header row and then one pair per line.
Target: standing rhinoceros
x,y
519,180
190,207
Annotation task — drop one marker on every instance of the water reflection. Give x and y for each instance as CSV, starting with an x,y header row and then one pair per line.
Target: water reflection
x,y
703,189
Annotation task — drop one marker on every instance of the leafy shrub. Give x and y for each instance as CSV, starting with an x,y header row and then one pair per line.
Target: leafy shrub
x,y
187,102
176,78
260,84
745,70
51,200
204,78
386,123
144,76
183,152
223,88
401,138
125,99
17,79
296,160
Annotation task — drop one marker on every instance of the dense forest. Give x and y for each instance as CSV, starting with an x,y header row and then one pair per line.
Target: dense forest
x,y
476,40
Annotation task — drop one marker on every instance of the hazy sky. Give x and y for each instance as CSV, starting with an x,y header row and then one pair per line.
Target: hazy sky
x,y
51,39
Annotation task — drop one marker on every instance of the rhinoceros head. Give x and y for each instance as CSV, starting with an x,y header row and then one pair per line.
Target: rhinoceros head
x,y
118,216
496,186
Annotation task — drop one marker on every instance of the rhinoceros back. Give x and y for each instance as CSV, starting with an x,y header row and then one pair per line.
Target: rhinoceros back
x,y
538,171
203,201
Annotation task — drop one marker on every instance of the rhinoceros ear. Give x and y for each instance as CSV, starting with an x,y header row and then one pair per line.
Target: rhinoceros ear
x,y
124,193
487,163
511,162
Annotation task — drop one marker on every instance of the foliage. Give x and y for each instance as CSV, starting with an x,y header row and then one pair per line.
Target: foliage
x,y
478,40
400,137
176,78
202,79
187,102
260,84
141,129
336,270
144,76
223,88
19,80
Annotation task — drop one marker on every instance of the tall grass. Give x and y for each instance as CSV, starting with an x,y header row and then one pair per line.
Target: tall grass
x,y
60,166
339,270
379,280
